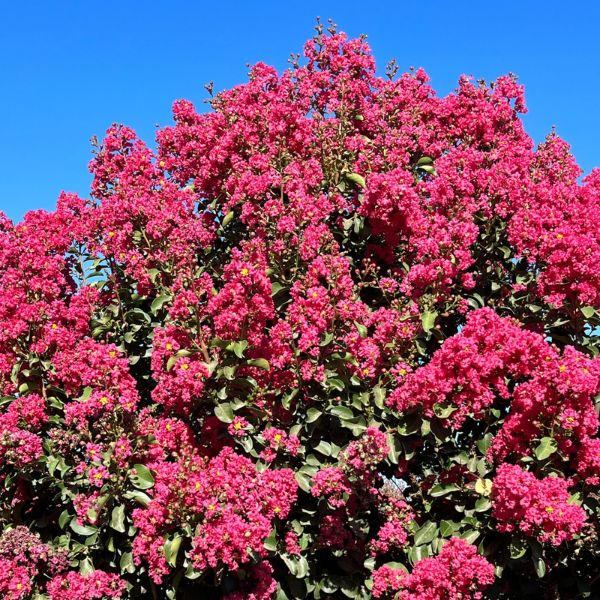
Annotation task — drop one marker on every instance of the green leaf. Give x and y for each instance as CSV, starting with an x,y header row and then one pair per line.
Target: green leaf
x,y
270,543
409,425
484,443
158,302
297,566
126,563
171,549
336,384
342,412
357,179
379,396
470,535
588,311
276,287
428,319
85,396
442,490
140,497
447,528
227,219
545,448
142,479
312,414
417,553
539,564
86,566
428,169
224,412
425,160
64,518
483,486
323,447
327,339
482,505
370,563
396,565
261,363
82,529
238,348
303,481
362,330
426,533
395,446
537,558
517,548
117,518
443,412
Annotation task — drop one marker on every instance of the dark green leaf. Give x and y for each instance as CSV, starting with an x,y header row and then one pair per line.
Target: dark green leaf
x,y
545,448
224,412
117,518
142,479
426,533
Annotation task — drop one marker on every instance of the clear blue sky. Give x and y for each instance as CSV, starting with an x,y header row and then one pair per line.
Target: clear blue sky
x,y
71,68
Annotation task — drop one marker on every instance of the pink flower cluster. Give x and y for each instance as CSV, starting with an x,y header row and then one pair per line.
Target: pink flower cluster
x,y
471,372
278,440
331,483
393,534
95,585
23,558
457,573
587,462
258,584
539,508
20,426
363,455
228,505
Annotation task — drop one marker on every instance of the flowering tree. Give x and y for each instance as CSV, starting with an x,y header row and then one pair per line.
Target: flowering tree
x,y
335,337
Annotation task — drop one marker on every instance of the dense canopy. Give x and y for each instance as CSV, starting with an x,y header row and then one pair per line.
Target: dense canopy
x,y
334,337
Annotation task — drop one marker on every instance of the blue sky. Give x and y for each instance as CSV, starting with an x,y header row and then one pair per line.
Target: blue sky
x,y
70,69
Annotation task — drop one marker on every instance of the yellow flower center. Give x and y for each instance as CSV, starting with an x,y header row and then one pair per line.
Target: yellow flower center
x,y
244,272
111,234
185,366
54,326
402,372
162,163
277,437
559,236
169,346
549,509
103,400
562,368
237,426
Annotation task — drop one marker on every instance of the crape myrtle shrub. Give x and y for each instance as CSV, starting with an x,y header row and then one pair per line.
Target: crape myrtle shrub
x,y
335,337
